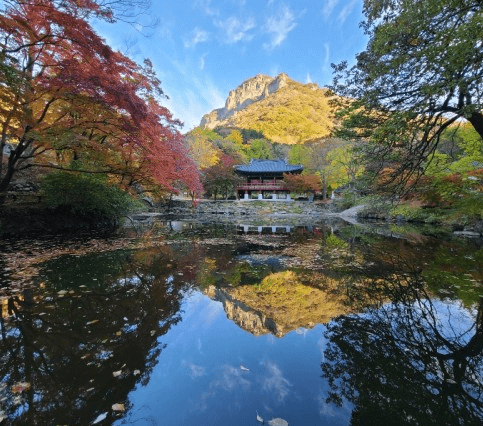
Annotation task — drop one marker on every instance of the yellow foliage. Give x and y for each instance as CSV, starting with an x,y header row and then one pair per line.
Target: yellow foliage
x,y
292,302
295,113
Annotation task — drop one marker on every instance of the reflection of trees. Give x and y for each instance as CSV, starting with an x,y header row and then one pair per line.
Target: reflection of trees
x,y
66,345
411,362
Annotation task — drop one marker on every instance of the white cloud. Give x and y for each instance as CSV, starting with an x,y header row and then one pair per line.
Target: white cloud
x,y
195,371
205,6
275,70
191,104
278,26
231,379
275,383
203,62
346,11
235,30
197,36
326,64
192,95
328,8
308,79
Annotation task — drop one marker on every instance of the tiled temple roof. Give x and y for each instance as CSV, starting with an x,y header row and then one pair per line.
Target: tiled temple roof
x,y
268,166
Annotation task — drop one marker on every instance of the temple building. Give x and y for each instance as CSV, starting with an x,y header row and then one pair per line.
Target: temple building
x,y
264,179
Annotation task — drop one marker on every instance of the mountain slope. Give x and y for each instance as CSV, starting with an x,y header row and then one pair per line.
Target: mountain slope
x,y
284,110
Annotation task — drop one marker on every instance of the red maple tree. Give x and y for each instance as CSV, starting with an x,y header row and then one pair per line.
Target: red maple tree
x,y
302,183
68,101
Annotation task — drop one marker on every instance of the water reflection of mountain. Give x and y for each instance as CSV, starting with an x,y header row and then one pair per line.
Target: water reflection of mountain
x,y
281,303
255,322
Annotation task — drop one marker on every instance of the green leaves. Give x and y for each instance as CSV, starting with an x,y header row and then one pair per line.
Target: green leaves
x,y
86,194
421,72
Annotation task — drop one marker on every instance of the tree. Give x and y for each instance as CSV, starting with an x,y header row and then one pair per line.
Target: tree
x,y
343,165
259,149
409,361
221,178
421,72
300,154
302,183
236,137
319,161
65,96
201,148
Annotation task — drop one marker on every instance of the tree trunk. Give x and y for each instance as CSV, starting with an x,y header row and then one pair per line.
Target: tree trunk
x,y
476,119
5,182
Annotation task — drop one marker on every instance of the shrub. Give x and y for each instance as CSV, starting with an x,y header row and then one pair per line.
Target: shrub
x,y
86,195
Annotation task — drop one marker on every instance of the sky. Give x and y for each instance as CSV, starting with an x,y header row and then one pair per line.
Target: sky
x,y
202,49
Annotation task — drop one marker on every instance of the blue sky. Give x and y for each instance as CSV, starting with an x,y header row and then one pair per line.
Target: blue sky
x,y
202,49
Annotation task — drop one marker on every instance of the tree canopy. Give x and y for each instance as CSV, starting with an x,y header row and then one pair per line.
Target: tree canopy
x,y
66,96
421,72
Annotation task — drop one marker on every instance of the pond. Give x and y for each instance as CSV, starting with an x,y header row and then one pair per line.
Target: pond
x,y
235,324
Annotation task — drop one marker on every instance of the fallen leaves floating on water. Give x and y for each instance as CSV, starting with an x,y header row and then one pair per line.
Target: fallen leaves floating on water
x,y
118,407
278,422
100,418
20,387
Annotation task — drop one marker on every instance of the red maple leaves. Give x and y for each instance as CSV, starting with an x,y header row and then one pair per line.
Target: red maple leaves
x,y
65,95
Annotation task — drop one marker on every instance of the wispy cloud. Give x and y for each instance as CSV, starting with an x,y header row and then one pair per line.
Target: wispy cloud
x,y
200,96
197,36
308,79
346,11
275,383
203,62
227,379
234,30
275,70
328,7
278,26
194,370
205,6
326,63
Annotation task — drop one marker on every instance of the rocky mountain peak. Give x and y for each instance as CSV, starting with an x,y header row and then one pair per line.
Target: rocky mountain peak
x,y
252,90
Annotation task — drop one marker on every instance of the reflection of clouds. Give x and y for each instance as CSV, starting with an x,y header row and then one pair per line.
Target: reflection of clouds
x,y
302,331
202,403
195,371
322,343
275,383
339,416
228,379
325,410
212,311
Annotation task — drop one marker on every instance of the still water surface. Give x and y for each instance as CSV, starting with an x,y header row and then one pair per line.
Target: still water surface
x,y
332,324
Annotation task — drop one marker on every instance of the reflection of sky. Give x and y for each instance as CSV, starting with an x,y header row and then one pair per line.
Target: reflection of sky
x,y
275,383
199,377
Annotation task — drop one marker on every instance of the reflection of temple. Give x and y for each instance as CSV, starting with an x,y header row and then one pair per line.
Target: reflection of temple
x,y
265,179
280,229
272,229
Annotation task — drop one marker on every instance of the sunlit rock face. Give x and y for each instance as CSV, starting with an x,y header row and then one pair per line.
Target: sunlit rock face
x,y
247,318
252,90
282,109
